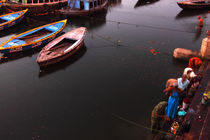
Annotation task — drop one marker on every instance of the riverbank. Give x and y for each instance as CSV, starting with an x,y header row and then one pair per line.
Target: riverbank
x,y
195,124
199,121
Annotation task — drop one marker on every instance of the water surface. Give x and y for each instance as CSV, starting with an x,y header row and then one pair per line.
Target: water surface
x,y
114,73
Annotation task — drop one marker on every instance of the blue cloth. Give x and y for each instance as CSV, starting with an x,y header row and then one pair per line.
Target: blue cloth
x,y
173,102
182,113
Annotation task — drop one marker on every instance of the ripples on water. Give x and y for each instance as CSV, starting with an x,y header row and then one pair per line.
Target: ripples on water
x,y
114,73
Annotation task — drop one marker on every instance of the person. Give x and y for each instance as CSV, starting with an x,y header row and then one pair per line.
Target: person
x,y
195,63
194,84
183,82
173,101
208,33
185,103
158,114
200,22
170,82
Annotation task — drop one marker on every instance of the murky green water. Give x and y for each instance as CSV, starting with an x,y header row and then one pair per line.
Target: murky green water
x,y
114,74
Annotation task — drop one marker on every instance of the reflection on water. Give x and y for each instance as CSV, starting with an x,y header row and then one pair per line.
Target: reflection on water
x,y
144,3
113,3
90,22
198,33
63,64
18,55
190,13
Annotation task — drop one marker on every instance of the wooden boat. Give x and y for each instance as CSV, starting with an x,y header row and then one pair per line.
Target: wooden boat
x,y
62,47
63,64
11,19
83,7
144,3
33,38
36,7
198,4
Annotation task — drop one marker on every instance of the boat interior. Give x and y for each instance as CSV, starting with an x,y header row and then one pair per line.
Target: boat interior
x,y
35,35
62,45
201,2
2,21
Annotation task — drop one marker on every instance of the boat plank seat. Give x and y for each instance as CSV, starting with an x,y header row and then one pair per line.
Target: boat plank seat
x,y
15,42
8,17
32,36
54,27
2,21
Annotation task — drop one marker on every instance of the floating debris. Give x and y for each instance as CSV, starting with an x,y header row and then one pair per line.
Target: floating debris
x,y
154,52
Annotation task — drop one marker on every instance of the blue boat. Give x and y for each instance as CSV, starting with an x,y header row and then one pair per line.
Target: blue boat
x,y
33,38
11,19
83,7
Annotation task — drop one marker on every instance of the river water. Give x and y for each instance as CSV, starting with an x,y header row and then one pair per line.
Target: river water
x,y
114,74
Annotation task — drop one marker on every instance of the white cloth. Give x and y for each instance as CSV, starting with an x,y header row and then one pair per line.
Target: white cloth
x,y
181,85
191,74
186,70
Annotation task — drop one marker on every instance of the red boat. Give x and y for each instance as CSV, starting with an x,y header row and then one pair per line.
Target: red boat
x,y
62,47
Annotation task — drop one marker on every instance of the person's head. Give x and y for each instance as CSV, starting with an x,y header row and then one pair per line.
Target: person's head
x,y
184,77
175,85
188,72
199,17
208,32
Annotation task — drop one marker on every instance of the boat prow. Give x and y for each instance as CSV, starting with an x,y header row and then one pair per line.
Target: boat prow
x,y
8,20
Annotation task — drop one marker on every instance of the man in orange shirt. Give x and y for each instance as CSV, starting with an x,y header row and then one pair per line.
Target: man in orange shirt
x,y
200,21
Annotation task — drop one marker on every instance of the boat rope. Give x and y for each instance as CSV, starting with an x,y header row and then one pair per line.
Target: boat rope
x,y
116,43
140,25
140,125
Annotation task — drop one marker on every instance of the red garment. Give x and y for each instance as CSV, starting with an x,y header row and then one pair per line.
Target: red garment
x,y
200,23
194,62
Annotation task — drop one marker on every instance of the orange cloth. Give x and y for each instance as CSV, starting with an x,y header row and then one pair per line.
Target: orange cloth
x,y
200,23
194,62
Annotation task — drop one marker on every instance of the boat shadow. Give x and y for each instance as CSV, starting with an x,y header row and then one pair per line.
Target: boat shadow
x,y
90,22
190,13
63,64
14,29
5,58
113,3
144,3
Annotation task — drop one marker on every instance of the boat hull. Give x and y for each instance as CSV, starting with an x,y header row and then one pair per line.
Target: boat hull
x,y
37,9
72,12
60,58
13,22
31,46
40,41
192,6
45,58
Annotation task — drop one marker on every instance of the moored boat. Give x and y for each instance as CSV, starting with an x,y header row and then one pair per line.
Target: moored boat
x,y
62,47
36,7
11,19
198,4
33,38
83,7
